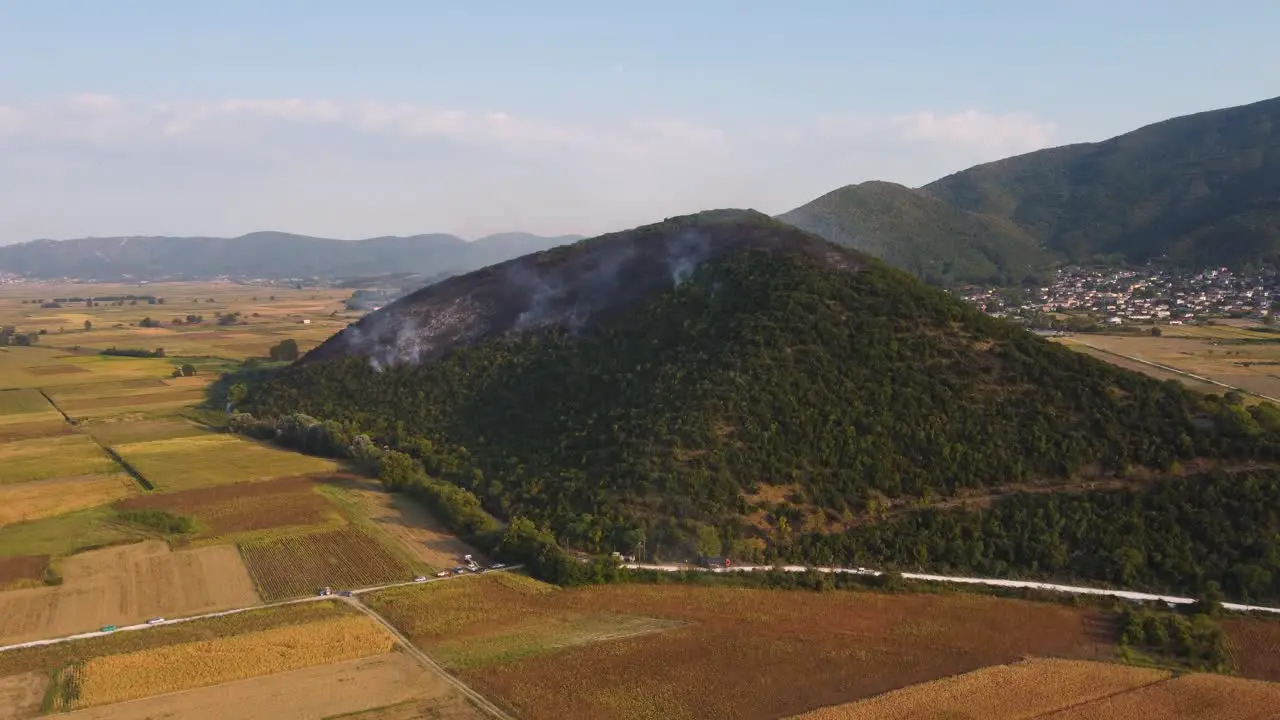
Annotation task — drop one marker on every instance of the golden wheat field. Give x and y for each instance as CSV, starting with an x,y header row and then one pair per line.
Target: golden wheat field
x,y
44,498
1190,697
116,678
1027,689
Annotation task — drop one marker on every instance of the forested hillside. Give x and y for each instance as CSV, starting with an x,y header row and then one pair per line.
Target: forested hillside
x,y
937,242
775,397
1198,191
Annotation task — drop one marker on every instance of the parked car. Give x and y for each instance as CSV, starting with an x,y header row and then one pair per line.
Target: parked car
x,y
420,579
155,621
345,593
108,628
443,573
497,566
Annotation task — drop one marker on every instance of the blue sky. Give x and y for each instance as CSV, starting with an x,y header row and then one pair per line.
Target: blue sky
x,y
357,119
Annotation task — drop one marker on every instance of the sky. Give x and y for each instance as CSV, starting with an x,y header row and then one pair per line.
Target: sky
x,y
360,119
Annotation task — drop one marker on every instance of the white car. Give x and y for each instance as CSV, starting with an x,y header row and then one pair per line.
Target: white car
x,y
497,566
420,579
155,621
443,573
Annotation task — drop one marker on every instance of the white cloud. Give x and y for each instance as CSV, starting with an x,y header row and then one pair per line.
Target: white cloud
x,y
366,167
1012,133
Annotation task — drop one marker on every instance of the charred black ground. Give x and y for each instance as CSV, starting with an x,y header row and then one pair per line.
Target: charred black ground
x,y
727,383
568,286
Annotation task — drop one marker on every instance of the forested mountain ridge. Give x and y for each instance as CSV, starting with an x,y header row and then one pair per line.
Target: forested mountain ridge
x,y
1203,189
262,255
1200,190
935,241
760,395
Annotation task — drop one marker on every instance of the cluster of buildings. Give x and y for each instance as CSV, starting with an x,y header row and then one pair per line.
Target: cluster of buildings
x,y
1144,296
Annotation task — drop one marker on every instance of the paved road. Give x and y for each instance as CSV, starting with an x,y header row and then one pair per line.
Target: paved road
x,y
233,611
996,582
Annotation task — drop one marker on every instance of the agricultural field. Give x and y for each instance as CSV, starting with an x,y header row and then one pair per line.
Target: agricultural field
x,y
120,433
230,510
185,463
402,520
32,500
22,695
126,584
67,533
378,687
1246,360
44,367
57,456
23,405
295,565
1189,697
22,570
725,652
1018,691
173,668
266,315
1254,645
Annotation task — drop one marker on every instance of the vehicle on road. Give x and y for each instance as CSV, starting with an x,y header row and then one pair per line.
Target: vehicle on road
x,y
345,593
443,573
324,591
497,566
155,621
420,578
108,628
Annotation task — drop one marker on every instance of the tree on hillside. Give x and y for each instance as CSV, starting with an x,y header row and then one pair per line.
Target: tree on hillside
x,y
88,325
1156,332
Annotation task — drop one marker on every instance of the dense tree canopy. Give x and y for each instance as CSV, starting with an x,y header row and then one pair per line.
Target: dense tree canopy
x,y
845,389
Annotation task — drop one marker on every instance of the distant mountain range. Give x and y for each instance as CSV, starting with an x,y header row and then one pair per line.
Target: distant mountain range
x,y
272,255
1196,190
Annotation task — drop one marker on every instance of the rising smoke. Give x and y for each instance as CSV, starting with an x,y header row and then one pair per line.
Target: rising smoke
x,y
568,293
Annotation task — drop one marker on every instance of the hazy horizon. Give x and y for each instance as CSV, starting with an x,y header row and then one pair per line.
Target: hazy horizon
x,y
398,118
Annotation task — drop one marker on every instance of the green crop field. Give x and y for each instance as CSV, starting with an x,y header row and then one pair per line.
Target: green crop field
x,y
119,433
210,459
53,457
23,402
66,534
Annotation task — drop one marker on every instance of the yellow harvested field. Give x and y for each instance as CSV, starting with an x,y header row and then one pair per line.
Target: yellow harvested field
x,y
21,695
45,367
366,686
215,459
56,456
127,584
1190,697
1250,366
44,498
173,668
1027,689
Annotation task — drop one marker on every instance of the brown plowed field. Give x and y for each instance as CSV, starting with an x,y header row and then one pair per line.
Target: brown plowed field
x,y
45,498
296,565
743,653
226,509
409,523
127,584
1255,647
22,568
1190,697
1019,691
391,679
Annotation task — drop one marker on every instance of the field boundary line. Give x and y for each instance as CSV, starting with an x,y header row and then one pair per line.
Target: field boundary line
x,y
54,405
137,476
484,703
1101,698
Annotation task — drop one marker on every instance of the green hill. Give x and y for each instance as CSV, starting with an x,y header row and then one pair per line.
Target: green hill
x,y
1199,190
933,240
1203,189
726,381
